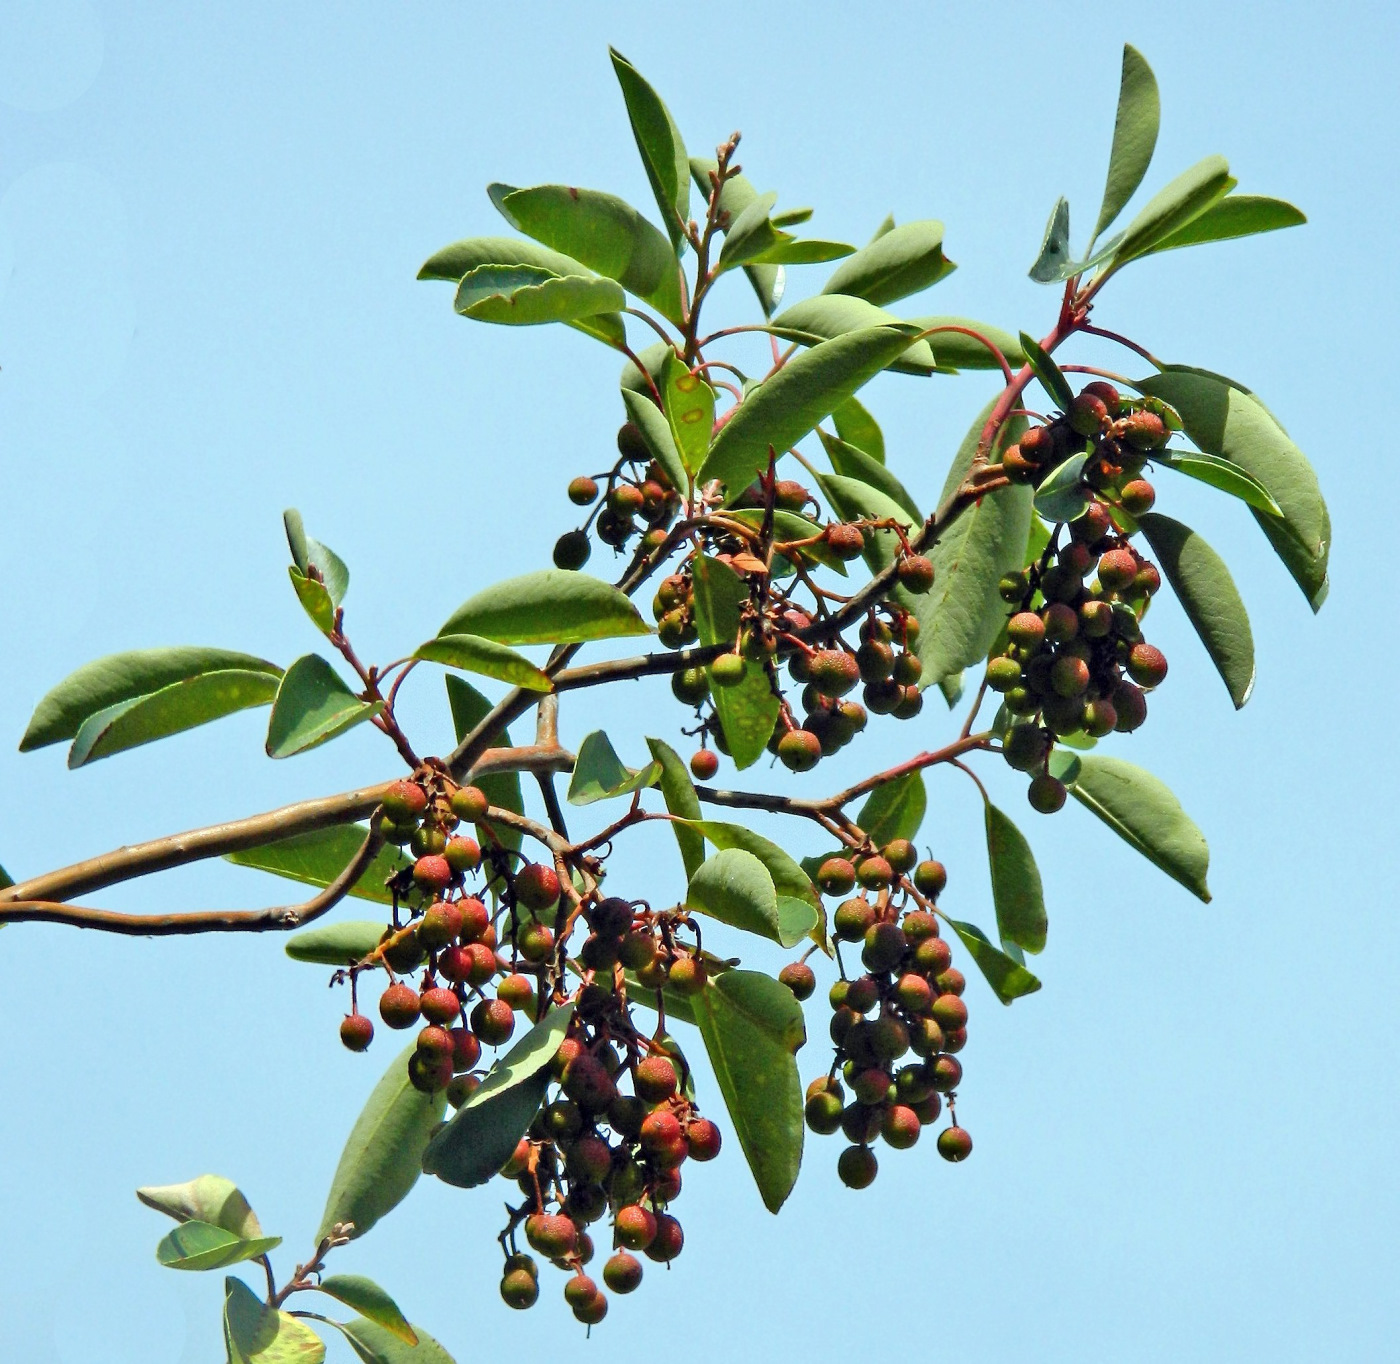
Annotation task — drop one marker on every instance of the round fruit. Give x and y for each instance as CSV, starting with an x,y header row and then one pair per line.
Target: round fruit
x,y
439,1005
668,1241
520,1289
1046,794
1087,414
571,550
536,942
1026,629
914,993
727,670
398,1005
623,1272
493,1021
798,977
949,1012
853,919
536,886
929,878
915,574
704,1139
1145,431
1147,665
704,763
466,1049
654,1080
836,876
356,1031
1061,623
470,803
404,801
834,671
462,854
799,750
1137,497
1117,569
517,991
823,1113
428,1074
635,1227
945,1073
441,923
1069,676
846,542
687,975
582,490
857,1167
550,1234
1024,747
932,956
900,1127
883,947
954,1144
1130,706
432,873
874,873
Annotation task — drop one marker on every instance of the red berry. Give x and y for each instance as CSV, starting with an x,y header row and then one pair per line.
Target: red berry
x,y
668,1241
635,1226
398,1005
660,1129
439,1005
462,854
704,763
623,1272
432,873
1147,665
356,1031
799,978
466,1049
655,1080
404,801
493,1021
536,886
900,1127
954,1144
442,922
704,1138
550,1234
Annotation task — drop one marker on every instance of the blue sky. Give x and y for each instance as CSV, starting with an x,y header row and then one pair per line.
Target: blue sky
x,y
210,222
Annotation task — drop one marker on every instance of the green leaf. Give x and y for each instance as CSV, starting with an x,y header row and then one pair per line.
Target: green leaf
x,y
375,1344
600,775
852,463
383,1154
736,194
951,688
961,617
1141,810
1222,474
798,920
462,257
747,712
257,1334
121,677
788,877
1048,372
825,316
171,710
752,238
1225,419
656,431
1016,890
679,793
1236,215
1008,978
336,944
1209,597
317,857
525,296
735,888
314,599
958,351
894,810
690,410
1063,496
857,427
480,1138
1048,266
502,789
473,653
659,143
308,554
902,261
1134,135
313,706
209,1198
201,1245
369,1300
548,607
752,1027
604,232
788,406
1171,209
789,526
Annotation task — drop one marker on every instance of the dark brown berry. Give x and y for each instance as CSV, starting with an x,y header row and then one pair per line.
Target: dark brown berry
x,y
668,1241
799,978
1087,414
572,550
915,574
1046,794
857,1167
846,542
704,1139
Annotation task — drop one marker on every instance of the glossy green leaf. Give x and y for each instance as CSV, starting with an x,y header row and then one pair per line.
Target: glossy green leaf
x,y
548,607
201,1245
1063,495
369,1300
600,775
106,682
317,857
1172,208
313,706
473,653
336,944
1222,474
1134,135
257,1334
962,615
1016,890
951,688
1236,215
752,238
1208,595
314,599
894,810
825,316
788,876
462,257
1142,811
679,793
736,195
383,1155
789,405
660,145
690,410
857,427
902,261
748,712
849,462
801,251
308,554
604,232
1225,419
209,1198
656,430
376,1344
480,1138
734,887
797,920
1008,977
956,350
753,1027
1048,266
171,710
524,296
1048,372
502,789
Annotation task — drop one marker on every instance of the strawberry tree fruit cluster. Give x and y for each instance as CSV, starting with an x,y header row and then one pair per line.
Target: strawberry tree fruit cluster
x,y
551,993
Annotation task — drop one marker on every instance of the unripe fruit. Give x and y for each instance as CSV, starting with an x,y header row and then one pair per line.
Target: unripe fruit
x,y
727,670
929,878
1061,623
432,873
474,964
914,993
562,1120
884,946
883,697
1003,673
535,942
1137,497
1145,431
954,1144
404,801
470,803
862,994
1024,747
927,1038
1095,619
1060,583
875,661
666,1187
950,981
654,1080
1100,718
1046,794
571,550
398,1005
888,1038
933,956
907,670
636,951
852,920
1069,676
1012,588
428,1074
441,923
536,886
799,978
704,763
517,991
462,854
635,1227
949,1012
846,542
901,854
690,685
550,1234
1026,629
1117,569
623,1272
1148,581
834,671
424,840
579,1289
860,1123
1147,665
687,976
356,1032
466,1050
915,574
435,1042
823,1113
945,1073
520,1289
874,873
799,750
1063,714
919,924
586,1081
1130,705
582,490
911,702
1017,467
405,954
900,1127
836,876
493,1020
668,1241
672,629
659,1129
439,1005
1087,414
857,1167
704,1139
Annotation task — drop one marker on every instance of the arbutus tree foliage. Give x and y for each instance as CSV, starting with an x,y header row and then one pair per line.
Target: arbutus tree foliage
x,y
770,562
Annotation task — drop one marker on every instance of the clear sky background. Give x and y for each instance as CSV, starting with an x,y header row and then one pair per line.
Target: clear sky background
x,y
210,222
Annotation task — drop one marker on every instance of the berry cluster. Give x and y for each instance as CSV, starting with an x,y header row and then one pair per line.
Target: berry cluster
x,y
908,1001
